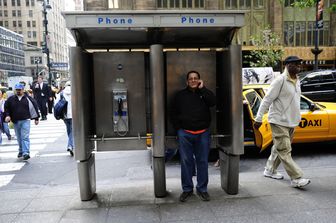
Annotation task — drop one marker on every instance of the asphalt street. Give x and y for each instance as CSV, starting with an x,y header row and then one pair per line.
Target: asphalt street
x,y
45,189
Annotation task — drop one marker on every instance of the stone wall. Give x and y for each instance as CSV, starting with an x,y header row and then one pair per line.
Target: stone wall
x,y
95,5
275,17
211,4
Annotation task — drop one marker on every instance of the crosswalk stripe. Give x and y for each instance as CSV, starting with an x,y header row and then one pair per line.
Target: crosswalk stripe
x,y
5,179
41,135
14,148
5,167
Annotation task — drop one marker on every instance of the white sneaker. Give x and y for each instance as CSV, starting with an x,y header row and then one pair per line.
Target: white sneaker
x,y
300,182
273,175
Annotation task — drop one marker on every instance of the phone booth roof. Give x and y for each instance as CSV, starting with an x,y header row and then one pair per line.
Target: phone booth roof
x,y
140,29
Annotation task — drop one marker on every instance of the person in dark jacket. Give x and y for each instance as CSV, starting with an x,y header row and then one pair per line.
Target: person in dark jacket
x,y
42,95
191,119
19,109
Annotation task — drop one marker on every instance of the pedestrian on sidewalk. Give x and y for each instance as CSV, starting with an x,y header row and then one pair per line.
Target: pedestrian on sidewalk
x,y
42,95
4,125
52,91
66,93
283,102
191,118
19,109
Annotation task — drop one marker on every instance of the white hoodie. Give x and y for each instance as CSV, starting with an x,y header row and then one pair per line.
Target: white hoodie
x,y
284,106
67,95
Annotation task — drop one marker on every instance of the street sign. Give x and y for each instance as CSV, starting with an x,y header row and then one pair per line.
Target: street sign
x,y
58,65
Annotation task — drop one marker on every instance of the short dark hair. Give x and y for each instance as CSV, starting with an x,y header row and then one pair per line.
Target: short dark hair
x,y
193,71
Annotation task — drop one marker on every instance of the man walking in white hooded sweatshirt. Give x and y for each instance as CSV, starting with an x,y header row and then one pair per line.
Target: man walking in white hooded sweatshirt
x,y
68,116
283,102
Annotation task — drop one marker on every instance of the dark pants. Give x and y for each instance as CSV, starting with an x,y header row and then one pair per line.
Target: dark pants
x,y
191,146
50,106
42,103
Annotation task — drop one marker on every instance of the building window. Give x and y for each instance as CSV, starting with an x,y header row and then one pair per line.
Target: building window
x,y
258,4
30,13
34,34
310,34
324,35
113,4
27,2
289,3
4,2
32,43
20,32
19,13
20,23
180,4
29,34
13,2
34,23
6,23
14,23
1,23
300,33
231,4
5,13
304,34
28,23
245,4
35,60
14,13
32,2
18,2
0,12
289,33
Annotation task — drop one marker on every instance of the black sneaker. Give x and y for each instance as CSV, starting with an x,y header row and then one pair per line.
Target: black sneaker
x,y
204,196
19,155
185,195
70,150
26,157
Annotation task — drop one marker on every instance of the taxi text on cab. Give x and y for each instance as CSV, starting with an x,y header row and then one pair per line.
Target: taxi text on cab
x,y
318,119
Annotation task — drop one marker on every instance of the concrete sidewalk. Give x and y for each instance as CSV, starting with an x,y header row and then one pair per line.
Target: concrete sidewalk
x,y
46,190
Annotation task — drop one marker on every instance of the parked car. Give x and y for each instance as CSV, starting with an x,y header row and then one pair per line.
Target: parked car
x,y
319,85
317,120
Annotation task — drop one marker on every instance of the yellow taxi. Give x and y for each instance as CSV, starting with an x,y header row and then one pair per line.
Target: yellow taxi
x,y
318,119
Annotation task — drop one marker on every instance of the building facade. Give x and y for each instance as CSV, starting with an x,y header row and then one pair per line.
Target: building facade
x,y
25,17
295,26
12,61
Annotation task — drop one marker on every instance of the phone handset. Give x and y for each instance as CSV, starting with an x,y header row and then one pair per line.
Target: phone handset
x,y
120,106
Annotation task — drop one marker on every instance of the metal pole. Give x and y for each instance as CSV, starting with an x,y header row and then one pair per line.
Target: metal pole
x,y
316,39
316,51
37,62
45,23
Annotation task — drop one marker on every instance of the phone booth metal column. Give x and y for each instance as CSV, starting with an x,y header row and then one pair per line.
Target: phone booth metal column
x,y
81,64
158,114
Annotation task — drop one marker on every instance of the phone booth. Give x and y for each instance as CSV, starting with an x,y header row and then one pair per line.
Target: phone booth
x,y
125,69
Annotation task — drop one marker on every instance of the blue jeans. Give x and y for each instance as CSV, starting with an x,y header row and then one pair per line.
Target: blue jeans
x,y
6,130
68,124
191,146
22,131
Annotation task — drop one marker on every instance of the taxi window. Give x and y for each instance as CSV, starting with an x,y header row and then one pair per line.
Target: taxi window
x,y
304,104
254,102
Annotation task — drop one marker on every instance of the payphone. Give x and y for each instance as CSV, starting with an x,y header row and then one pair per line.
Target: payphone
x,y
120,112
